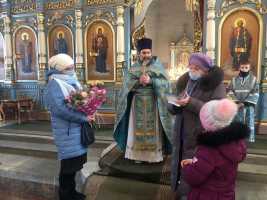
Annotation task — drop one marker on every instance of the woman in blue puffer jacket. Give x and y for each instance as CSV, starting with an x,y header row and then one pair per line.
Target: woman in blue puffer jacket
x,y
66,124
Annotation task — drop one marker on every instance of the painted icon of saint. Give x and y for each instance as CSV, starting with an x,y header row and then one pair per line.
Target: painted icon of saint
x,y
26,52
100,49
60,43
240,43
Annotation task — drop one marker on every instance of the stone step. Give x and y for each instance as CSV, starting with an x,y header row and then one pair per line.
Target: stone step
x,y
28,177
44,128
26,137
253,169
28,148
113,188
33,178
112,163
257,159
257,151
260,146
38,145
42,138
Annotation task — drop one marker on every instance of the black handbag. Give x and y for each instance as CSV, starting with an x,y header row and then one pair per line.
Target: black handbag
x,y
87,134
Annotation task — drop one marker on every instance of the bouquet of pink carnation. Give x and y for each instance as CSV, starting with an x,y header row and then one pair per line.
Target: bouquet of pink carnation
x,y
87,101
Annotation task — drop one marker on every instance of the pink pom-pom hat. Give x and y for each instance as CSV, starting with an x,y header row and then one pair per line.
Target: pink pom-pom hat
x,y
217,114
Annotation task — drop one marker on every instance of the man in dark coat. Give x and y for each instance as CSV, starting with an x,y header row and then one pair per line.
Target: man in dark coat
x,y
202,83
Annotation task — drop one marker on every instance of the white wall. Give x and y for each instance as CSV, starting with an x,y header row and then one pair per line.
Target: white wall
x,y
165,20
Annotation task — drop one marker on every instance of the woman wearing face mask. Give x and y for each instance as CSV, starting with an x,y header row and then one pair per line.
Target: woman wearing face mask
x,y
202,83
66,124
244,90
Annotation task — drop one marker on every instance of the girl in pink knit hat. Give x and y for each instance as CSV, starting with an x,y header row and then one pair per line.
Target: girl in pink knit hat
x,y
211,173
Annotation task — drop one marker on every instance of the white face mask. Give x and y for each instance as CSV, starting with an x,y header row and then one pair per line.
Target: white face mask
x,y
194,76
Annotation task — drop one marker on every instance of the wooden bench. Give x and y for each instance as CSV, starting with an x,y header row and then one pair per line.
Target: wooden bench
x,y
19,106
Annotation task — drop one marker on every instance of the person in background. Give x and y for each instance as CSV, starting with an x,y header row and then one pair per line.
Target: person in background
x,y
244,90
221,146
202,83
66,124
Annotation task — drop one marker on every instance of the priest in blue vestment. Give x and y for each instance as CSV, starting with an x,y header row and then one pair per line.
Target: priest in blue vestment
x,y
143,124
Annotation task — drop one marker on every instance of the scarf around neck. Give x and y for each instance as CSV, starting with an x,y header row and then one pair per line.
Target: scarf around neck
x,y
71,80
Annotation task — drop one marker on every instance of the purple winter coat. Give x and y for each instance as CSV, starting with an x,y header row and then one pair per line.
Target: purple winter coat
x,y
213,175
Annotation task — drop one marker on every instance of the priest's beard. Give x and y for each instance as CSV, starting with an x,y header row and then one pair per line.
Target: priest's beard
x,y
146,61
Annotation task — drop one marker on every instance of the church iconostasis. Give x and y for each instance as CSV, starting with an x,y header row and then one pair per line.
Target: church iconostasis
x,y
85,30
91,32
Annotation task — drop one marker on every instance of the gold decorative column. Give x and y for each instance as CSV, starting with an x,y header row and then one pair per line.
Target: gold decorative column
x,y
210,32
41,46
10,73
120,42
194,7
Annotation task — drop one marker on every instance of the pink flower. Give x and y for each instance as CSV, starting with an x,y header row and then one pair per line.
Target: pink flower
x,y
104,92
84,94
87,102
101,91
92,93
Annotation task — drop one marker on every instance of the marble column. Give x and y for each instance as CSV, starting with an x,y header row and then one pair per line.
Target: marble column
x,y
120,42
211,32
79,46
120,34
10,72
41,46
